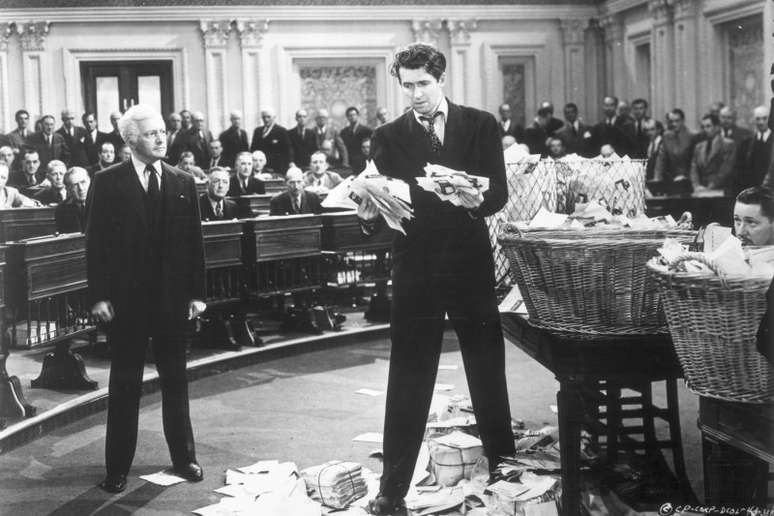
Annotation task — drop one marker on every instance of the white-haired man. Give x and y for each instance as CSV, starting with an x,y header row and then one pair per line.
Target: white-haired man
x,y
295,200
233,140
757,154
243,182
273,140
145,266
70,216
55,192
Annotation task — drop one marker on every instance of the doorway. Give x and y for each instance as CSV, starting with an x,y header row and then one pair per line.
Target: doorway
x,y
118,85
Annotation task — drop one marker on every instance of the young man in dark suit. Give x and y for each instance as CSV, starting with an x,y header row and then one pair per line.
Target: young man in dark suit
x,y
295,200
145,267
233,139
213,204
70,216
243,182
92,140
272,139
442,265
354,134
302,141
49,144
614,130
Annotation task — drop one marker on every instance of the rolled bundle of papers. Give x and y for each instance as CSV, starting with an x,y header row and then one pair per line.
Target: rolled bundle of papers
x,y
335,484
448,183
391,196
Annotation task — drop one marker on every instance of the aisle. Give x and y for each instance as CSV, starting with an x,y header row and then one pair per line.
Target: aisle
x,y
303,409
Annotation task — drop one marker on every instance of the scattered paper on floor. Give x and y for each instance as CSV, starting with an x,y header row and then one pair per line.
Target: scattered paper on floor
x,y
369,437
163,478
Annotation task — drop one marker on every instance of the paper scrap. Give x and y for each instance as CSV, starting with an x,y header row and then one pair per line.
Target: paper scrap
x,y
448,367
459,440
547,219
541,509
513,302
369,437
163,478
714,235
262,466
369,392
444,387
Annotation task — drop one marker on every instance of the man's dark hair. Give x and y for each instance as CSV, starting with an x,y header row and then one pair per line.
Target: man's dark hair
x,y
679,112
419,55
544,112
352,108
571,105
86,115
47,116
21,112
712,118
761,195
640,101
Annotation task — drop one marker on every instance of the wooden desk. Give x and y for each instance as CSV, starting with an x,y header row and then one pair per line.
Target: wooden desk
x,y
46,295
718,209
737,449
274,186
252,205
21,223
584,367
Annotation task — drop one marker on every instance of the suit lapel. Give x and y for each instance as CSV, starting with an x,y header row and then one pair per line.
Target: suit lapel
x,y
415,141
133,188
453,130
171,189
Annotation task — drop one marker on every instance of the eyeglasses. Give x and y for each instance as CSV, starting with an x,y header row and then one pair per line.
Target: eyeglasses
x,y
155,133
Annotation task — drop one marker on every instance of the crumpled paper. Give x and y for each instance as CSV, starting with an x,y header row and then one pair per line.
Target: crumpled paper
x,y
448,183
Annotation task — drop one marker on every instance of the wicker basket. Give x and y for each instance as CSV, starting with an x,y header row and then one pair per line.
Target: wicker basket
x,y
713,322
589,283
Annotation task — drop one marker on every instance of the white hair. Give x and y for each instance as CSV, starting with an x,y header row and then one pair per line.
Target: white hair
x,y
294,171
128,124
761,111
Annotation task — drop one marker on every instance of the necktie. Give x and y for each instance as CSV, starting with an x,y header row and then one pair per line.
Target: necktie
x,y
638,129
213,162
760,136
434,140
219,209
709,147
266,131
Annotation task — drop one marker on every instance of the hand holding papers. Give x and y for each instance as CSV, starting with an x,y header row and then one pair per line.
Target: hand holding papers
x,y
457,187
385,195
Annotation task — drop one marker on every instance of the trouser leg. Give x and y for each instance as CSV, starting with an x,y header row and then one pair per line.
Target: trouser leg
x,y
170,355
124,390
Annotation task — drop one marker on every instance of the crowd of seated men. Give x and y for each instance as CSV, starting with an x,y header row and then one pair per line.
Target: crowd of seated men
x,y
721,156
44,166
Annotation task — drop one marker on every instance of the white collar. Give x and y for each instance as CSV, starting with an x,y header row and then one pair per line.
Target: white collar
x,y
442,107
139,167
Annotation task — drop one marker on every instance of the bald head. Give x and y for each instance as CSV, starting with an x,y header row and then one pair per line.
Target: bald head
x,y
294,179
727,117
761,117
267,116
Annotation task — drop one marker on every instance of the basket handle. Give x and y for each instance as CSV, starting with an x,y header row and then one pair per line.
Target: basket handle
x,y
699,257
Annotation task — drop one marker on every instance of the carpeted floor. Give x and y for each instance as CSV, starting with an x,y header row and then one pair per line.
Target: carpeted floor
x,y
302,408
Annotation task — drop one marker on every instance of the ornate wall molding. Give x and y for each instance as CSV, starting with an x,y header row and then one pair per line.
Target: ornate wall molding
x,y
661,10
459,30
685,8
251,32
427,31
613,26
573,31
33,35
6,29
215,33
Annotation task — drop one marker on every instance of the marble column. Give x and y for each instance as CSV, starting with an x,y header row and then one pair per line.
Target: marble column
x,y
462,73
574,46
427,31
615,82
662,57
6,29
254,90
687,85
215,35
32,36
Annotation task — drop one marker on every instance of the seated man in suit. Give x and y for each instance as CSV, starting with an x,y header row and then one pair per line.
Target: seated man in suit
x,y
70,215
8,157
107,157
319,179
216,155
187,163
56,192
754,216
260,171
243,182
30,178
712,167
213,204
10,196
295,200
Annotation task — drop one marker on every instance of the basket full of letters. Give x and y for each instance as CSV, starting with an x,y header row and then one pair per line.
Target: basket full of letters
x,y
714,302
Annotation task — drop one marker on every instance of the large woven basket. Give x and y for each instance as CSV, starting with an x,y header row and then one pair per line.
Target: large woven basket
x,y
589,283
713,323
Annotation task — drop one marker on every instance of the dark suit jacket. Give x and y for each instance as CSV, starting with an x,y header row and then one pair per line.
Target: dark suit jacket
x,y
69,217
276,146
338,144
198,144
92,147
75,144
352,140
47,153
576,141
254,186
281,204
535,138
115,138
765,337
443,242
117,236
716,170
48,196
756,161
553,125
514,130
616,135
15,137
638,140
205,207
302,147
233,141
18,179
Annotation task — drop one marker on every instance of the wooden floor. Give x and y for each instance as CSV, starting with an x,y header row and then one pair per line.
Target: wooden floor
x,y
302,408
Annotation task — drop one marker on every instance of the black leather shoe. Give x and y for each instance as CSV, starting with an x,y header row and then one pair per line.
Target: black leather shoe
x,y
385,506
113,483
191,471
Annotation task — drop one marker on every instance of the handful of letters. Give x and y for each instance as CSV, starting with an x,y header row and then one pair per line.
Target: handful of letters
x,y
448,183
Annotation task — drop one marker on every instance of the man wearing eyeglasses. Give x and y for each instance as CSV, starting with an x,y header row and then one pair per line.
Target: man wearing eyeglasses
x,y
213,203
145,267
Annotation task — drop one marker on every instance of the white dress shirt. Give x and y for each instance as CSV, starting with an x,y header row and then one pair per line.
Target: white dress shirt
x,y
439,123
139,168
